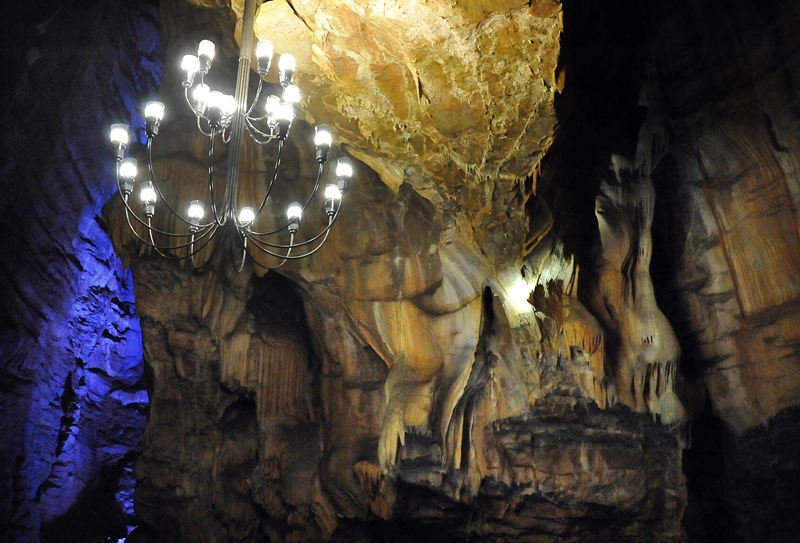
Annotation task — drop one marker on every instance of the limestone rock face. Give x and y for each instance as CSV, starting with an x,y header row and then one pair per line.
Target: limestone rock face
x,y
732,160
480,352
72,387
727,168
419,378
453,98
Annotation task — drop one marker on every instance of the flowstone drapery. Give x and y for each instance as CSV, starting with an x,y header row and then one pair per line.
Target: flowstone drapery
x,y
643,349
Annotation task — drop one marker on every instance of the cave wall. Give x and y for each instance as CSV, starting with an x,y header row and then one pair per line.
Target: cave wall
x,y
390,388
721,130
421,392
722,121
73,399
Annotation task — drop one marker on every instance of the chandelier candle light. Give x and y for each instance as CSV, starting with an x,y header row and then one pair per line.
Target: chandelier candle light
x,y
227,117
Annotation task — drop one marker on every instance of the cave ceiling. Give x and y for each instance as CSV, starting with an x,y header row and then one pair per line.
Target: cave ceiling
x,y
453,98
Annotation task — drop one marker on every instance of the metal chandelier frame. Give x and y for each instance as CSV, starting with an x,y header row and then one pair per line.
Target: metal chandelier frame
x,y
228,117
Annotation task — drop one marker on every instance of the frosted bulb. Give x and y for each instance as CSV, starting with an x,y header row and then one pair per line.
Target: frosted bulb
x,y
286,65
284,112
215,99
206,49
154,110
344,168
228,104
294,211
272,104
128,168
119,134
147,194
247,215
200,93
196,210
264,49
286,62
291,94
190,64
332,192
200,96
322,136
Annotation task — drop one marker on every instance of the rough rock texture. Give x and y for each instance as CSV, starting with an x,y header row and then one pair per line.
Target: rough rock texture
x,y
71,385
421,391
731,153
400,385
244,413
722,128
453,98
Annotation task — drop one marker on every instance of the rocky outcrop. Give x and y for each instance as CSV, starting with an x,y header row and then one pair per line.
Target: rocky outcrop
x,y
721,130
479,352
452,98
72,391
729,153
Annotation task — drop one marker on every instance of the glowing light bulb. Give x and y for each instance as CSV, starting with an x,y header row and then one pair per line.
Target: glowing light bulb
x,y
147,194
119,134
154,110
286,64
291,94
272,104
322,136
205,52
264,49
190,64
128,168
284,112
196,210
294,212
228,104
206,48
344,168
200,96
332,192
247,215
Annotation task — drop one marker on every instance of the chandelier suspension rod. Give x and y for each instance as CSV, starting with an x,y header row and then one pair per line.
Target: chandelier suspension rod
x,y
238,121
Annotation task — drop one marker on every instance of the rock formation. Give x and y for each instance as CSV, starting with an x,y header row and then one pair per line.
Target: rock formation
x,y
513,333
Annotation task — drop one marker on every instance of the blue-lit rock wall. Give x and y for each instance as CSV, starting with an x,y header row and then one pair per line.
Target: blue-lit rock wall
x,y
72,386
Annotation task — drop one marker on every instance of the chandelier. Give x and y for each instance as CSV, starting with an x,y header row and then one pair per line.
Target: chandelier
x,y
224,117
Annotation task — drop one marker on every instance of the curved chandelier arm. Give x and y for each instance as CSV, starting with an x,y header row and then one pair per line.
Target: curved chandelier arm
x,y
316,186
269,187
130,210
256,133
308,201
240,266
158,188
200,127
284,259
192,250
196,111
324,232
207,233
255,98
288,255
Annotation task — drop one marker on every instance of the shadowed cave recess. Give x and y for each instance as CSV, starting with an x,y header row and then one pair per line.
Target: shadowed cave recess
x,y
633,165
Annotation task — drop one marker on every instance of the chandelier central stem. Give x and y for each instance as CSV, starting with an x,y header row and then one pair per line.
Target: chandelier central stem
x,y
227,117
237,123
